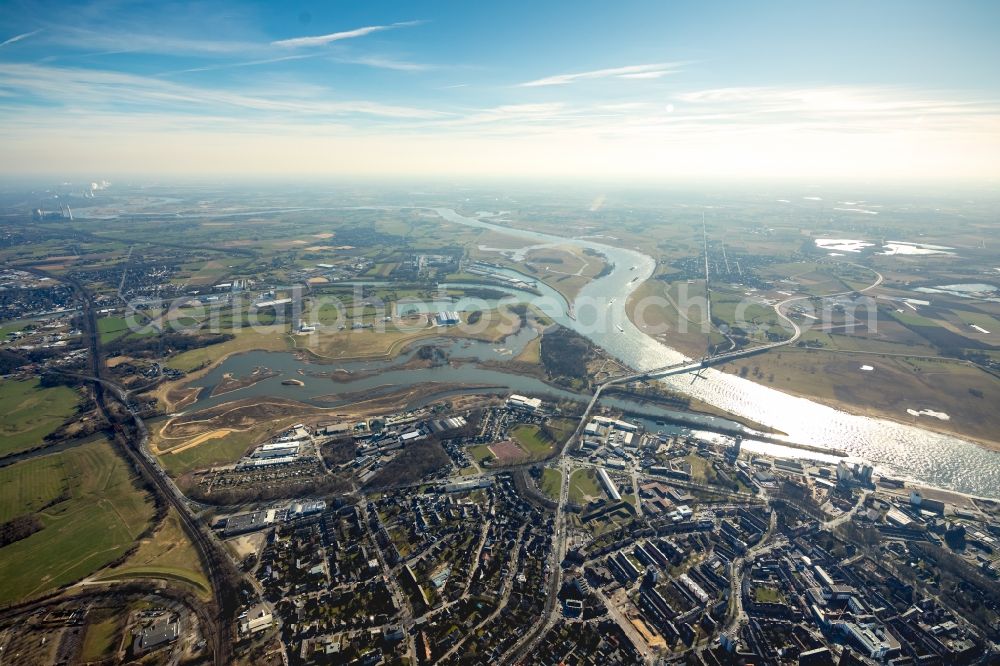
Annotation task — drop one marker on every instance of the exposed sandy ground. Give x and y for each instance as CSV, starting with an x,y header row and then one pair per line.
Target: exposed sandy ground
x,y
195,441
248,544
508,452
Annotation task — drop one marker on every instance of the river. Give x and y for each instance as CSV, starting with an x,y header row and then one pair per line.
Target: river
x,y
375,378
895,449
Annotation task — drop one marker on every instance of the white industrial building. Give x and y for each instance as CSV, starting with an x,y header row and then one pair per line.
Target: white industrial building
x,y
516,401
616,424
306,508
257,619
447,318
272,303
609,485
472,484
872,639
281,460
277,450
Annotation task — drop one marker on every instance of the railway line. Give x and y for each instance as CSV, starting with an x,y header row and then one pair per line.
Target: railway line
x,y
132,435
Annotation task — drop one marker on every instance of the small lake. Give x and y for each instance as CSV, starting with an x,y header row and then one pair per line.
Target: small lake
x,y
977,291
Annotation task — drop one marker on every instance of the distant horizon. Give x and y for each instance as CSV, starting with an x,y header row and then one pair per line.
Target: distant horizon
x,y
931,186
889,91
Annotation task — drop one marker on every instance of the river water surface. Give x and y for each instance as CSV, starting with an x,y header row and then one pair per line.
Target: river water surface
x,y
895,449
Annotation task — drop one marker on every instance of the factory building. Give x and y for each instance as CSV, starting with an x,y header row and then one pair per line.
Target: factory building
x,y
447,318
277,450
609,485
521,402
463,486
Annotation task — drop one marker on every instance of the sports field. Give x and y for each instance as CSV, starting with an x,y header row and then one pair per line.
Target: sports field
x,y
533,439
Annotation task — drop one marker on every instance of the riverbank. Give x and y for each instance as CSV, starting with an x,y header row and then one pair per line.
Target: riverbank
x,y
231,383
362,345
892,386
685,404
910,450
652,309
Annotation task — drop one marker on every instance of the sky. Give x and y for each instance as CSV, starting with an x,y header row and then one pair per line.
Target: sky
x,y
636,91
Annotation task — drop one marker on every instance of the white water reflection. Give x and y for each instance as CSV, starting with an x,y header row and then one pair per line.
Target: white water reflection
x,y
894,448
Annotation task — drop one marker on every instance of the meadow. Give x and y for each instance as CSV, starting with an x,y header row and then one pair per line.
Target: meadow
x,y
91,510
29,412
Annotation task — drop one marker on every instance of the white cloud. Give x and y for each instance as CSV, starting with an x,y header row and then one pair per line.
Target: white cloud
x,y
321,40
380,62
123,40
248,63
648,71
646,75
843,108
104,90
17,38
511,113
277,125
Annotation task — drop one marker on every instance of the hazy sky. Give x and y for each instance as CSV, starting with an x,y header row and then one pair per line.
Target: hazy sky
x,y
653,90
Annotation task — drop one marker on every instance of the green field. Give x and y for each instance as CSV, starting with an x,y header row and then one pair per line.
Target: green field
x,y
481,453
583,483
168,555
888,345
767,595
111,328
913,319
96,513
979,319
101,639
12,326
701,469
28,486
533,440
562,428
28,413
551,482
219,451
757,319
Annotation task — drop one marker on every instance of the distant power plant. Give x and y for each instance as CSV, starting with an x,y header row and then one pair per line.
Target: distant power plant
x,y
64,213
